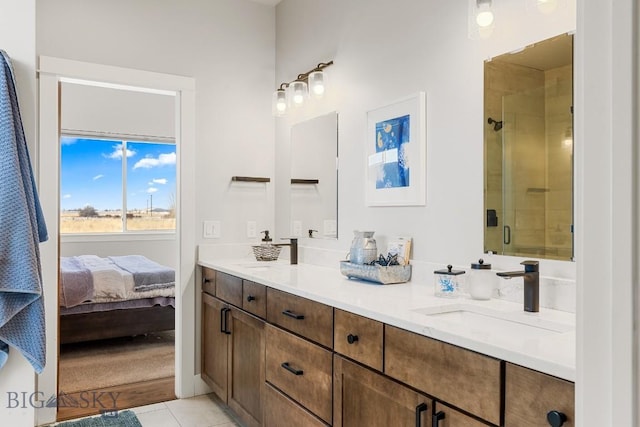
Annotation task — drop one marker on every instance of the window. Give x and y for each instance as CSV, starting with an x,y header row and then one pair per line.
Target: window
x,y
103,178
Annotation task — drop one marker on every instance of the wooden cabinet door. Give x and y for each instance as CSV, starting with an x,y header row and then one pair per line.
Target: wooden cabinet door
x,y
215,348
531,395
449,417
246,370
363,397
465,379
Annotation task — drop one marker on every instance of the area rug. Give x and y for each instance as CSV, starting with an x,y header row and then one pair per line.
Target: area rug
x,y
106,363
117,419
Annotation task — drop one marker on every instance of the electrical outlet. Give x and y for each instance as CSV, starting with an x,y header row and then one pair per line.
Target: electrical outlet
x,y
330,227
296,229
211,229
251,229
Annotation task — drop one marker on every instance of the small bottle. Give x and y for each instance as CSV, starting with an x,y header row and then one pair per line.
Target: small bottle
x,y
449,282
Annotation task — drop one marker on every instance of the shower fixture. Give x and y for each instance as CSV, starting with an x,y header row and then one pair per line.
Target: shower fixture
x,y
497,125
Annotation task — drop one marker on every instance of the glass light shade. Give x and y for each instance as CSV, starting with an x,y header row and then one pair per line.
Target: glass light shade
x,y
317,84
279,103
298,93
484,14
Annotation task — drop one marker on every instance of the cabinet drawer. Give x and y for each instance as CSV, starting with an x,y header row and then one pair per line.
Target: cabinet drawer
x,y
280,411
363,397
229,288
209,280
302,316
449,417
301,369
467,380
530,395
254,298
358,338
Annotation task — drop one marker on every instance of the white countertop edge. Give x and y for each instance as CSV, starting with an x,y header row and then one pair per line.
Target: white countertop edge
x,y
554,356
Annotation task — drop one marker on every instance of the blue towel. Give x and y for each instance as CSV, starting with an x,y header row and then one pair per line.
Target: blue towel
x,y
22,228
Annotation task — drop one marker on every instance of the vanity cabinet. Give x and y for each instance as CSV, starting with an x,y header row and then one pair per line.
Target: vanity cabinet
x,y
278,359
363,397
468,380
531,395
233,349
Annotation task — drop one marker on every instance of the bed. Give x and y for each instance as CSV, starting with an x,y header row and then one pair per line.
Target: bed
x,y
109,297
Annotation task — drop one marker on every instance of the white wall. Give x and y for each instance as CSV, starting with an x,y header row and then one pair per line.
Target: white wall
x,y
17,38
385,51
228,47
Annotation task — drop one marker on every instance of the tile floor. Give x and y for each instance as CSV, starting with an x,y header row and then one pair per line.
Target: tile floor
x,y
199,411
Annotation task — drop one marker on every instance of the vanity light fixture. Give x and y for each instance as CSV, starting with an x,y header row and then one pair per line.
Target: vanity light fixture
x,y
296,93
481,19
484,14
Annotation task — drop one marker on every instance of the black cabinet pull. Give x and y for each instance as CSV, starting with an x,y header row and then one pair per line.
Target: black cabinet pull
x,y
352,338
556,418
294,371
223,321
205,280
250,298
435,420
419,410
292,314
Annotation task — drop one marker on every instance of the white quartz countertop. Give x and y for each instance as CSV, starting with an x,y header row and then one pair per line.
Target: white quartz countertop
x,y
475,325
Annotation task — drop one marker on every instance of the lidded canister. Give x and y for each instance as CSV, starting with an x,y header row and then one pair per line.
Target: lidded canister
x,y
448,282
481,280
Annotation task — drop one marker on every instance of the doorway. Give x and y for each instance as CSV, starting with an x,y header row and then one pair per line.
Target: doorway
x,y
53,71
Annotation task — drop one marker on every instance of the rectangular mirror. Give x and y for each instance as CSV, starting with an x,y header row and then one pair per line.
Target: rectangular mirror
x,y
528,151
314,177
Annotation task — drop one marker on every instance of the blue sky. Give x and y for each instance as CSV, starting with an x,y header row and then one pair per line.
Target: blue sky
x,y
91,174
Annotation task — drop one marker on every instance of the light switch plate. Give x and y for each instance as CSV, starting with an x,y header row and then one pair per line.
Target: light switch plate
x,y
211,229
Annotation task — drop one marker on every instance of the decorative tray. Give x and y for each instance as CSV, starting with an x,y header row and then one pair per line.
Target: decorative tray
x,y
377,273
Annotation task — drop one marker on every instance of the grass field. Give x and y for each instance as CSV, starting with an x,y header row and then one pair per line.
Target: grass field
x,y
111,222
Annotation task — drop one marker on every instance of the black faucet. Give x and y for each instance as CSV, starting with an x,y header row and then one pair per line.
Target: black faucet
x,y
531,284
293,249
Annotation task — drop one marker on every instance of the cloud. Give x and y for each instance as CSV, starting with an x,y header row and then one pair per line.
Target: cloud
x,y
97,177
66,196
151,190
161,181
67,140
161,160
116,154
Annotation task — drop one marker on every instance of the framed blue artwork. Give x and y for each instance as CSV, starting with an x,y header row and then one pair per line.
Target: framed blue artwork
x,y
396,153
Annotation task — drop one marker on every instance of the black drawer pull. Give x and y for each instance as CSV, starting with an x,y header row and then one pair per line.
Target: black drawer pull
x,y
294,315
419,410
223,321
352,338
205,280
250,298
435,420
556,418
294,371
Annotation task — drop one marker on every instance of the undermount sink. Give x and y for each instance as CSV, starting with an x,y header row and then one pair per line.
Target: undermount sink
x,y
258,265
483,319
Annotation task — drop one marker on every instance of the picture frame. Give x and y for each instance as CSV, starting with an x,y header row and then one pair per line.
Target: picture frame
x,y
396,153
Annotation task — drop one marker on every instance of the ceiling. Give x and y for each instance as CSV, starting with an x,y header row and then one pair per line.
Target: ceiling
x,y
268,2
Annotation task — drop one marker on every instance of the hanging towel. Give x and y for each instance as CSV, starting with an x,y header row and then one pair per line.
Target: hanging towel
x,y
22,228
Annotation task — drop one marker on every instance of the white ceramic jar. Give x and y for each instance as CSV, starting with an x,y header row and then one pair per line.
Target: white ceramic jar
x,y
481,280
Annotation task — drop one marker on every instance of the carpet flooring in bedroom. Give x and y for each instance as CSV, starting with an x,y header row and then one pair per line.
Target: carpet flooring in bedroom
x,y
105,363
119,373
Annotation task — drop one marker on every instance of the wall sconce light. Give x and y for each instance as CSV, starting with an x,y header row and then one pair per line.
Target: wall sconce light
x,y
295,93
481,18
484,14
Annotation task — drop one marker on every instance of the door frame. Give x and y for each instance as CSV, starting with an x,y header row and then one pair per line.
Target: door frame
x,y
51,71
